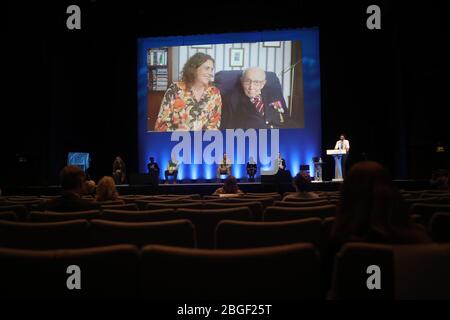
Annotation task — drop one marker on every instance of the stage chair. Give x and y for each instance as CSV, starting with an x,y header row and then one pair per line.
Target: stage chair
x,y
279,272
179,232
106,272
243,234
49,216
138,216
285,213
205,221
407,271
440,227
46,235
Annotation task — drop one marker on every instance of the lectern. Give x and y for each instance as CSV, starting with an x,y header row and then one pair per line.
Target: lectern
x,y
337,156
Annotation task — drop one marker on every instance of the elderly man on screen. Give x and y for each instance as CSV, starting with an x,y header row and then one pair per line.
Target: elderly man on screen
x,y
253,104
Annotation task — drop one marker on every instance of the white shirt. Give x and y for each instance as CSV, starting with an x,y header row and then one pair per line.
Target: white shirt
x,y
341,145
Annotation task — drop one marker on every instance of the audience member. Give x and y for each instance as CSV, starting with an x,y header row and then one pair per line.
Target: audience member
x,y
89,187
229,188
371,209
72,181
439,180
106,190
302,183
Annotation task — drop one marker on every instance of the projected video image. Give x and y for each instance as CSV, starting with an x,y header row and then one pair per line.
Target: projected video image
x,y
225,86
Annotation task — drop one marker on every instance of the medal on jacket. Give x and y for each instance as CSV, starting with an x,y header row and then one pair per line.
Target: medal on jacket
x,y
278,106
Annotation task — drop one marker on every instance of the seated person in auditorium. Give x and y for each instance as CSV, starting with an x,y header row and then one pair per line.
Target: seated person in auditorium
x,y
72,181
439,180
153,169
253,105
224,167
229,188
106,190
193,103
172,170
89,188
371,209
302,184
119,171
251,168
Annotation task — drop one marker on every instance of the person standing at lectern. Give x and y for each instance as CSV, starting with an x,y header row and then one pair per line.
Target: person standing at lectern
x,y
343,144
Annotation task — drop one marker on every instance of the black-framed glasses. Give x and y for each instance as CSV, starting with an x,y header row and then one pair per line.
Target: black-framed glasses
x,y
255,82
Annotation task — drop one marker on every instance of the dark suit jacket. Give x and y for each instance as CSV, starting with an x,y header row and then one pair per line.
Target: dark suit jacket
x,y
239,112
70,202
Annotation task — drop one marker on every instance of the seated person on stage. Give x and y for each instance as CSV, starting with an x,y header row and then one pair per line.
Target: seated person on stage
x,y
302,183
153,169
224,167
251,168
119,171
73,185
281,163
172,170
229,188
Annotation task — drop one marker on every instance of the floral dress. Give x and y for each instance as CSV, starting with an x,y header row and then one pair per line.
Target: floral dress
x,y
181,111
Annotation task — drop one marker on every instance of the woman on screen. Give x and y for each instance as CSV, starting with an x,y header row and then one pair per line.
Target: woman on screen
x,y
192,103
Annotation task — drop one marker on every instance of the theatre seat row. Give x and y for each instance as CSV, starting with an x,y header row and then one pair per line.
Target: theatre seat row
x,y
278,272
179,232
